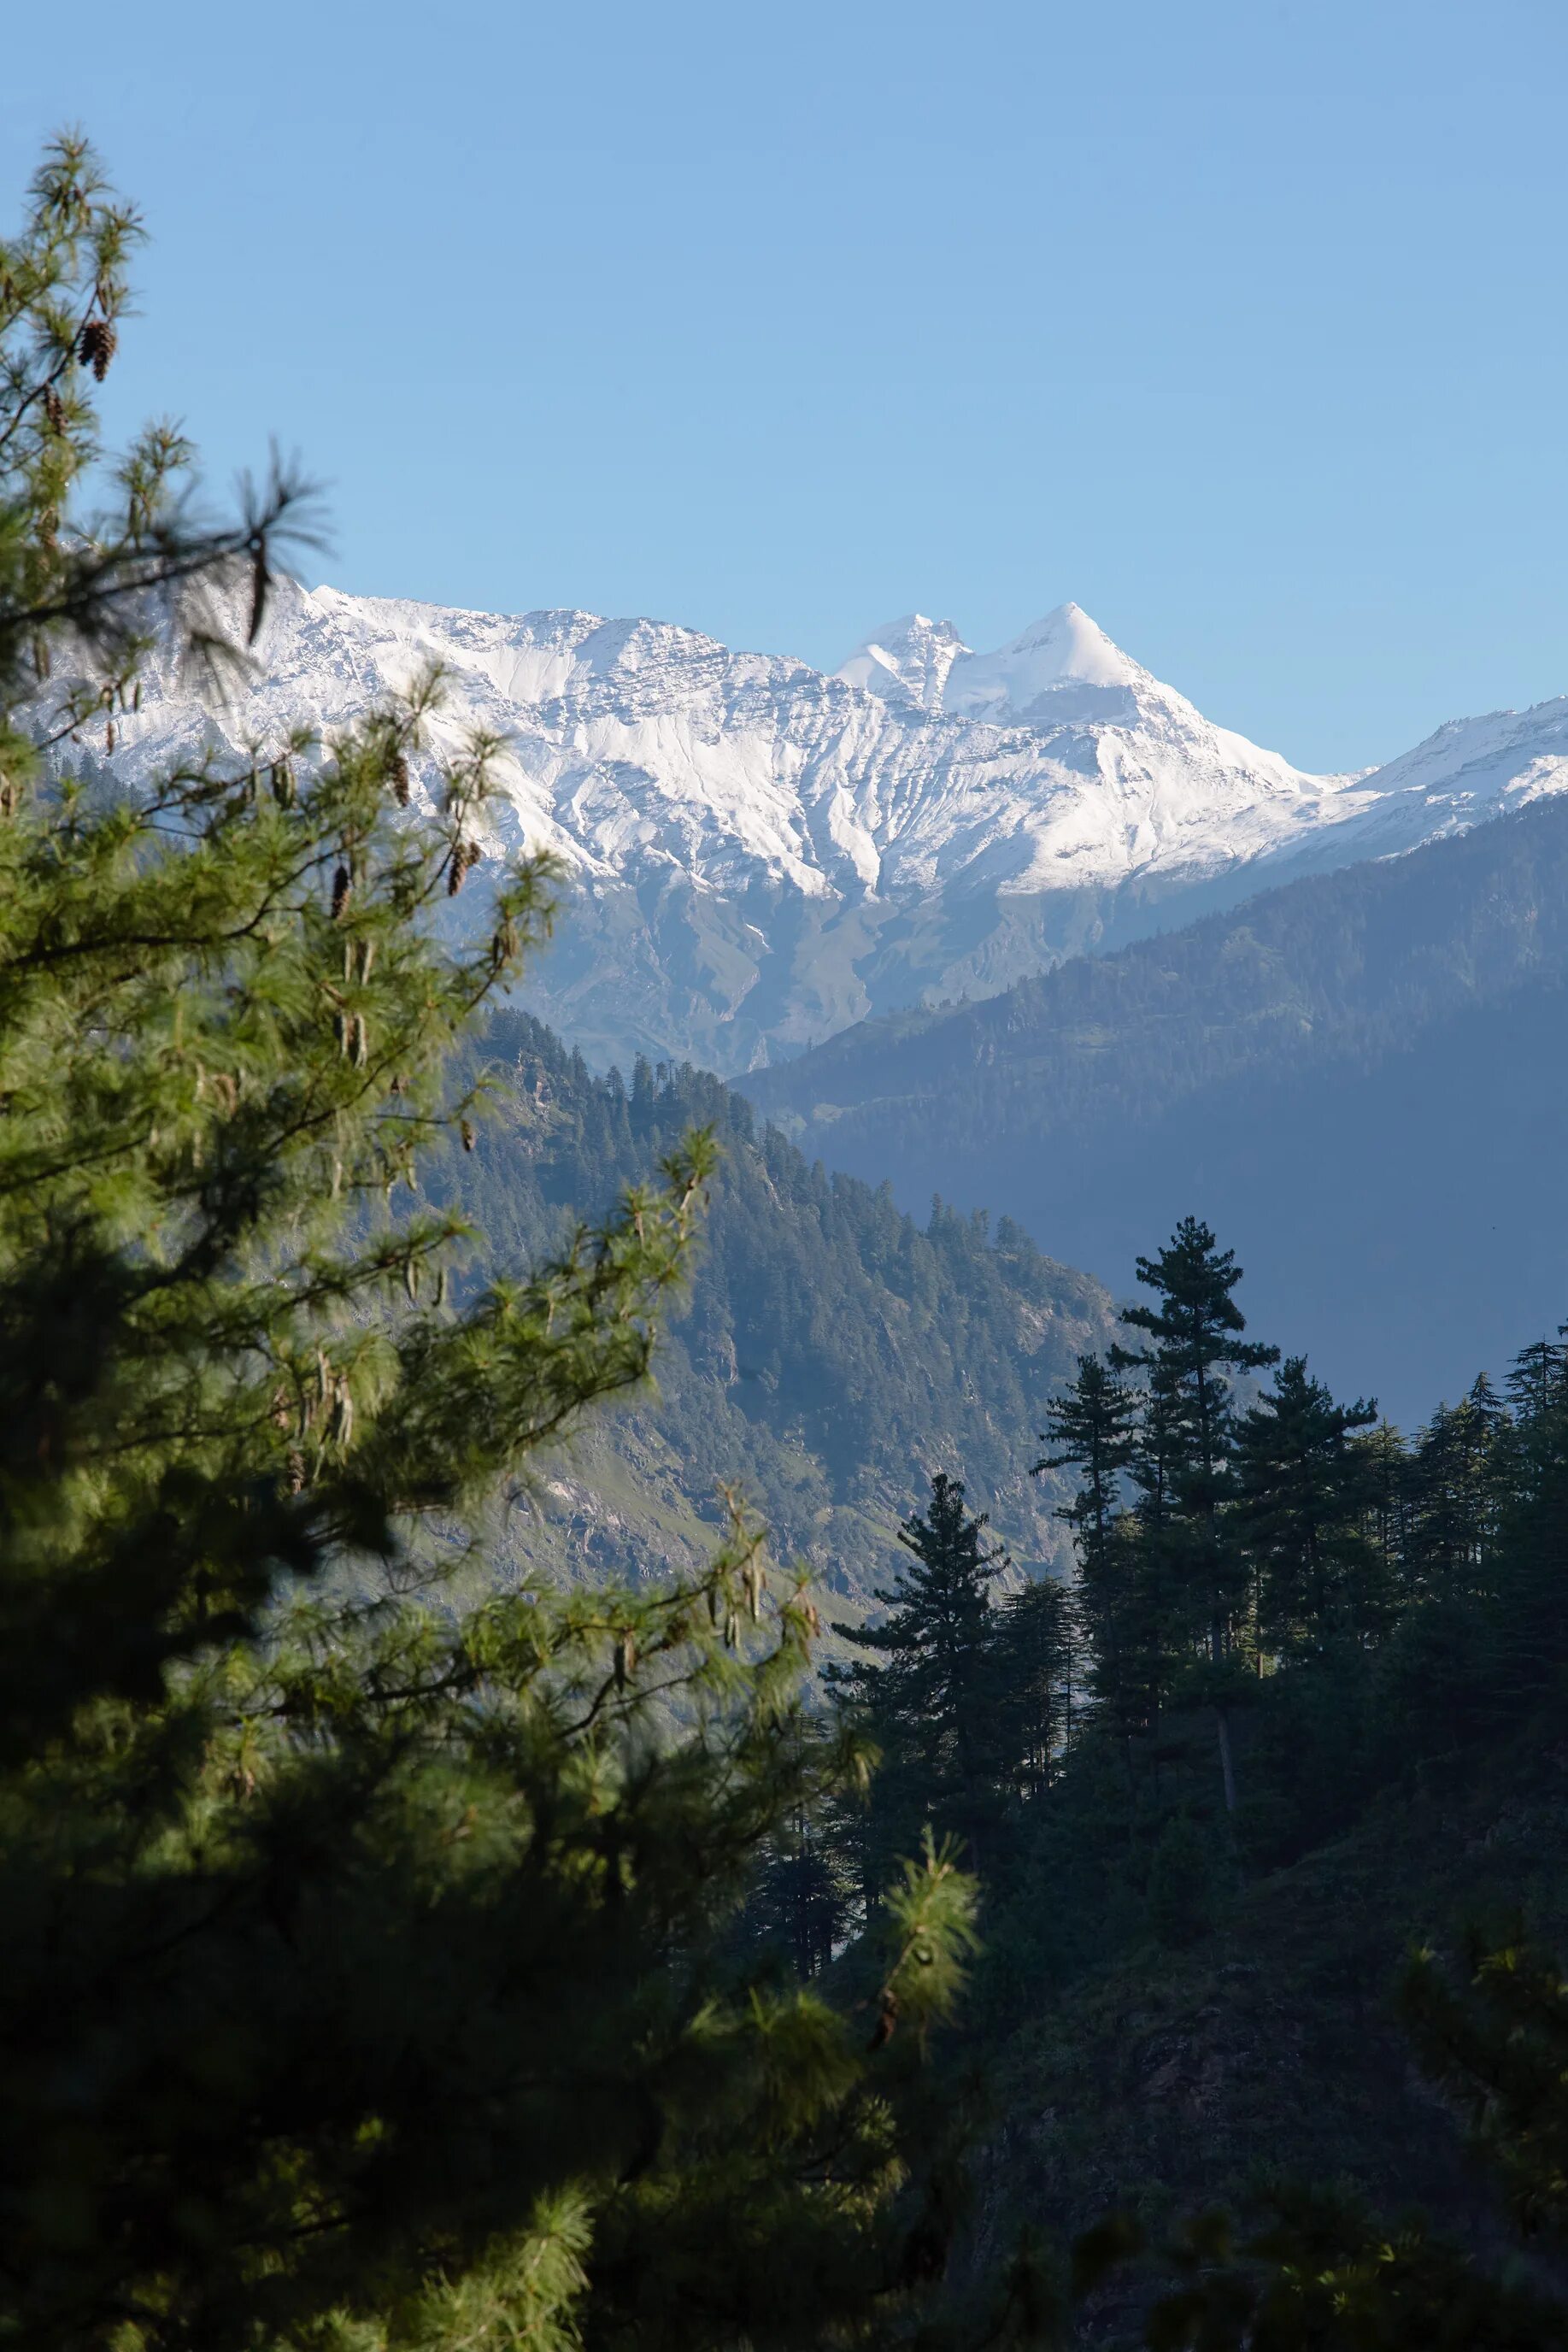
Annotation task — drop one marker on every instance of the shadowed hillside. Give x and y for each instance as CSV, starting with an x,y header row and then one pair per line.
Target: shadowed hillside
x,y
1353,1077
833,1349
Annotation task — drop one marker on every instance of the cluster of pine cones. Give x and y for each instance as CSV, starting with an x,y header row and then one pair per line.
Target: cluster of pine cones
x,y
96,345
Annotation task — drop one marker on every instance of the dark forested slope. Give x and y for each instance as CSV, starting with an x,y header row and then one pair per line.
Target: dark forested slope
x,y
1361,1078
833,1352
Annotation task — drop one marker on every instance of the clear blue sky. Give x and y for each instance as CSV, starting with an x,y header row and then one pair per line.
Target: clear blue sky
x,y
1243,322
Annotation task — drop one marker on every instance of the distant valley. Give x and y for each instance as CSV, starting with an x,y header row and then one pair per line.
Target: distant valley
x,y
1360,1079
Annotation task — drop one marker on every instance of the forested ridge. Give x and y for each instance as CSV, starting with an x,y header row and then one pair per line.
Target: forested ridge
x,y
831,1346
1358,1075
1297,1714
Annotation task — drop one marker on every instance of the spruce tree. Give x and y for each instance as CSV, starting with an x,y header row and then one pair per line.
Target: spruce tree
x,y
363,1930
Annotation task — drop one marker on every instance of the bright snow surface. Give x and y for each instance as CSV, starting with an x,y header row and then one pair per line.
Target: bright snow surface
x,y
924,776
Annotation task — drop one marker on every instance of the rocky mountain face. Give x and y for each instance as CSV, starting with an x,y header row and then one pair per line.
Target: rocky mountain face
x,y
763,855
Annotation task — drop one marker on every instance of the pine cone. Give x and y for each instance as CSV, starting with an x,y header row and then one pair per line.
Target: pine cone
x,y
466,1132
97,345
341,886
54,410
466,855
400,780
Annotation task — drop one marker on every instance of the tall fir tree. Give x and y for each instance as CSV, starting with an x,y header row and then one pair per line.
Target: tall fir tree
x,y
1196,1329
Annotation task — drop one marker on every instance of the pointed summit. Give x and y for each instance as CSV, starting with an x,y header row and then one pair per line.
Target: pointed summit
x,y
1068,645
1066,649
906,661
1061,668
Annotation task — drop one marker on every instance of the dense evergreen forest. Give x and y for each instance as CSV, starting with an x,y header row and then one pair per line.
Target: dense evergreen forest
x,y
1298,1712
830,1345
1360,1075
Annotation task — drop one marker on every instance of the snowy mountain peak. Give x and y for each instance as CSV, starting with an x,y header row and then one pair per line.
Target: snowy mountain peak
x,y
1063,666
907,661
1060,668
1068,645
761,855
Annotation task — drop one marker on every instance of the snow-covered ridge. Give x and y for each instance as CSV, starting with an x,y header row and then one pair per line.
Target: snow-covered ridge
x,y
765,852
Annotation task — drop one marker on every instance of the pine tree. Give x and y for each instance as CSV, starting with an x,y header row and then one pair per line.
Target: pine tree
x,y
1032,1661
804,1899
361,1926
1385,1505
1538,1378
1197,1333
1093,1430
929,1699
1526,1644
1459,1474
1301,1507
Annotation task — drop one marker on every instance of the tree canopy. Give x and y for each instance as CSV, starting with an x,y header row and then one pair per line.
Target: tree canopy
x,y
368,1974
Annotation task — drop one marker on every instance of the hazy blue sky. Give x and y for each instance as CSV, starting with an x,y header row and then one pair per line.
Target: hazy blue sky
x,y
1242,322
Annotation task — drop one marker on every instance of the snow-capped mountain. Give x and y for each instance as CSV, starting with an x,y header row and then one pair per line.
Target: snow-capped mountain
x,y
764,854
1471,769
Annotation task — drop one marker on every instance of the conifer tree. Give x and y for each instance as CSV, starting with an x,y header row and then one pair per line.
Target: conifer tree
x,y
1301,1509
1385,1506
1538,1377
359,1926
1033,1665
928,1700
1458,1477
1526,1646
1093,1430
803,1901
1197,1330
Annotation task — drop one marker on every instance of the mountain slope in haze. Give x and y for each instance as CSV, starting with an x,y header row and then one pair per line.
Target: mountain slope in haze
x,y
833,1353
764,854
1360,1079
